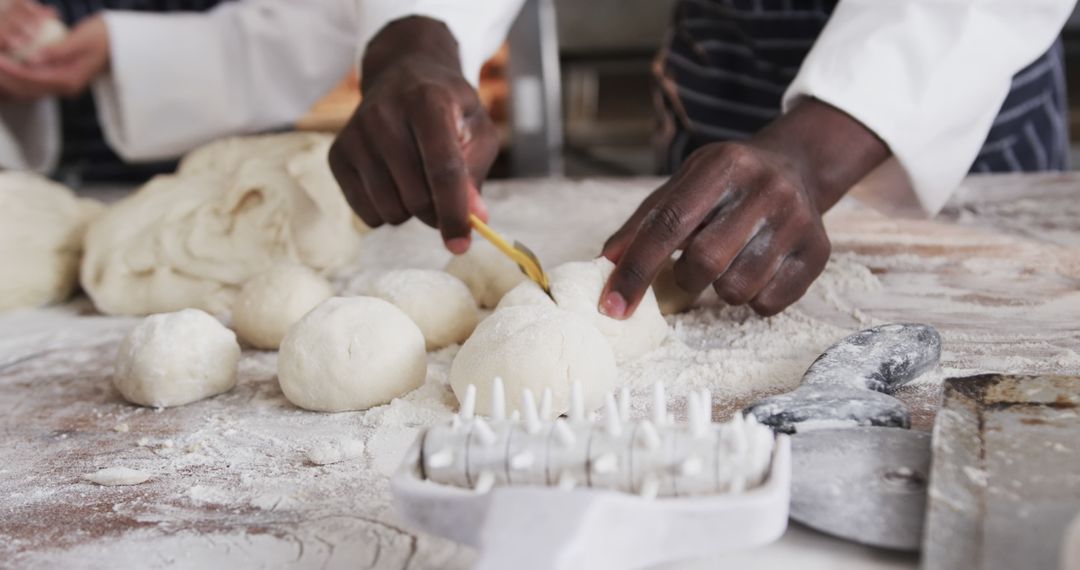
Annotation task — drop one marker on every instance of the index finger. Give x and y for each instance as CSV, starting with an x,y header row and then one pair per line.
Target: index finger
x,y
436,133
662,230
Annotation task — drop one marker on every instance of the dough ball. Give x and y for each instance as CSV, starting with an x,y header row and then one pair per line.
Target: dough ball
x,y
671,298
234,210
50,32
535,347
273,301
487,272
177,358
41,236
439,303
351,353
576,287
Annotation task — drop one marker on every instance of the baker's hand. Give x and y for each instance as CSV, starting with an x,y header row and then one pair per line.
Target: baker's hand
x,y
420,143
19,23
747,215
63,69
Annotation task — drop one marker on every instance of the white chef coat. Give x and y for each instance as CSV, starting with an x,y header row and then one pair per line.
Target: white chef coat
x,y
926,76
178,80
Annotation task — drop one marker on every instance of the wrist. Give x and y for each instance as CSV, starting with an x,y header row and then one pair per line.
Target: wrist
x,y
829,149
413,38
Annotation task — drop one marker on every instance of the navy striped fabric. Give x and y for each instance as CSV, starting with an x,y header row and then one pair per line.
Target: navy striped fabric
x,y
85,156
726,64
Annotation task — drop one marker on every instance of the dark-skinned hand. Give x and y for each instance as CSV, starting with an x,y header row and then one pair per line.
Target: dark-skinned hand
x,y
747,215
421,143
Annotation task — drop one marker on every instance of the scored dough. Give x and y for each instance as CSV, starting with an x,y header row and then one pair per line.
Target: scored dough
x,y
439,303
487,272
576,287
351,353
177,358
273,301
535,347
193,239
41,236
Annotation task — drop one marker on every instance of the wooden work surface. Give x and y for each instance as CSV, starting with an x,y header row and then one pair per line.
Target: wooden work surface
x,y
998,273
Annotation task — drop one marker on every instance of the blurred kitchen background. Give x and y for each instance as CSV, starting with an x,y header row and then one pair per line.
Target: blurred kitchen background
x,y
572,89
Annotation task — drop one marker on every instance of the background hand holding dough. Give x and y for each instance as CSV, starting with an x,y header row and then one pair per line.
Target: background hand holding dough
x,y
487,272
193,239
273,301
49,32
351,353
41,236
439,303
173,359
576,287
535,347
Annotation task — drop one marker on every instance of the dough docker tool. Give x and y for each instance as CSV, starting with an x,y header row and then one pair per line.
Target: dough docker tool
x,y
536,493
525,259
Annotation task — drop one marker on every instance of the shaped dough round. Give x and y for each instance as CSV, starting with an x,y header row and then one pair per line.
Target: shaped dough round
x,y
273,301
576,287
671,298
535,347
487,272
173,359
41,235
439,303
49,32
351,353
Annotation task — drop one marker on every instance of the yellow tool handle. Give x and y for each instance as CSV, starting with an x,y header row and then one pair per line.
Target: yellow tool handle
x,y
527,264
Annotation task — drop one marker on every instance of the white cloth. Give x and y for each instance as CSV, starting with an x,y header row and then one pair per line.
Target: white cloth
x,y
928,77
180,80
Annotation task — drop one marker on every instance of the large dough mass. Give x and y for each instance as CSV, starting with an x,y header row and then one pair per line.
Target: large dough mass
x,y
233,210
351,353
41,236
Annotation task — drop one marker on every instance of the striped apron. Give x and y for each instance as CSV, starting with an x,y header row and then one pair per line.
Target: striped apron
x,y
84,154
726,64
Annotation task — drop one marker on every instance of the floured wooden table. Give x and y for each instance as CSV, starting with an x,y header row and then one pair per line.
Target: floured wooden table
x,y
998,273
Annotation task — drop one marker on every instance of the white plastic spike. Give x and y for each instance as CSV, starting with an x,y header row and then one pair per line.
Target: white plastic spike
x,y
606,463
611,416
515,416
566,481
455,422
659,405
699,423
484,432
577,402
522,461
564,434
648,437
624,404
484,482
545,405
691,466
650,487
532,418
498,400
706,404
468,404
441,458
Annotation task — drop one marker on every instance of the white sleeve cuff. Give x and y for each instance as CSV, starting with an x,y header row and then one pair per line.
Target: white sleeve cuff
x,y
927,77
30,135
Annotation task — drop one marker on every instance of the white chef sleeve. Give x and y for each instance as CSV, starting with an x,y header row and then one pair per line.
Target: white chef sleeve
x,y
480,26
927,76
180,80
29,135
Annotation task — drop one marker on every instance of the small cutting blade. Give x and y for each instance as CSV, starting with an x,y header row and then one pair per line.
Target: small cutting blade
x,y
525,259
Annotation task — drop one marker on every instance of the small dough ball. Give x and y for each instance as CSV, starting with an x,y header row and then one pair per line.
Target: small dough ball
x,y
576,287
535,347
42,225
439,303
487,272
51,31
172,359
671,298
271,302
351,353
